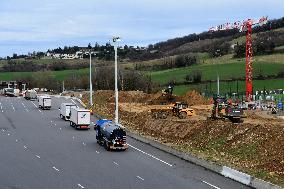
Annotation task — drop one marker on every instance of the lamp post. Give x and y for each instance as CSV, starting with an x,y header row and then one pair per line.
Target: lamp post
x,y
91,85
115,40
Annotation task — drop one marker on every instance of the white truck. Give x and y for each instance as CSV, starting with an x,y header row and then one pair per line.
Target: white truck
x,y
80,118
44,102
30,95
65,109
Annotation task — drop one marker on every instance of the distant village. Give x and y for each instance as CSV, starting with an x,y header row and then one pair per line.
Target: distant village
x,y
74,52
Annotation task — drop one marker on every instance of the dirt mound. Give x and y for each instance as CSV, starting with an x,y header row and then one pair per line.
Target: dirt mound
x,y
194,98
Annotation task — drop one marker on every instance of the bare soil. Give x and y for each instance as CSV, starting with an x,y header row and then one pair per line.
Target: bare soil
x,y
255,146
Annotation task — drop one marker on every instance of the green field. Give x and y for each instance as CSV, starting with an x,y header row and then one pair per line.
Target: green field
x,y
209,72
59,75
234,86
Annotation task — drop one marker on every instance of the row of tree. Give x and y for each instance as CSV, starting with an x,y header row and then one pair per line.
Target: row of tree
x,y
103,79
29,66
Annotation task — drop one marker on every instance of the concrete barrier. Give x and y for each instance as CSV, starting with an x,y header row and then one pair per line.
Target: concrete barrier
x,y
236,175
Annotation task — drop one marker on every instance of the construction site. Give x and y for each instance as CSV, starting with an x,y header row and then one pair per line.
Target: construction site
x,y
253,143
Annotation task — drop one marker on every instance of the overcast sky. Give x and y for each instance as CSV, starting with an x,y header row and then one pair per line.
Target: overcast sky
x,y
38,25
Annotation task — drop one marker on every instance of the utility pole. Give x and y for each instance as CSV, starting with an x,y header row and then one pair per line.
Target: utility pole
x,y
218,85
115,40
91,85
63,88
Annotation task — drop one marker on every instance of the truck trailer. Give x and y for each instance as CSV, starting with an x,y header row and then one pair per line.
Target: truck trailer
x,y
110,135
30,95
80,118
65,110
44,102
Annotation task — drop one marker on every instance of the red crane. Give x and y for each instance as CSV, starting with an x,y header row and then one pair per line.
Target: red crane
x,y
245,26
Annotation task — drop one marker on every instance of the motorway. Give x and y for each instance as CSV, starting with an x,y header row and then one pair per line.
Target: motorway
x,y
39,150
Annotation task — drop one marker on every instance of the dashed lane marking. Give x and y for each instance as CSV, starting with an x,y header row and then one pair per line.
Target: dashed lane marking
x,y
80,186
73,101
38,156
13,107
34,104
154,157
140,178
213,186
55,169
25,147
115,163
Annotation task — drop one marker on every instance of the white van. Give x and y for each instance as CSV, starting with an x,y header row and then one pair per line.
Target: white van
x,y
65,110
44,102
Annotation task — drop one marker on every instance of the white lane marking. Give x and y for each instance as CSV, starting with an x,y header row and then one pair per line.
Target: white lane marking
x,y
25,107
154,157
140,178
25,147
60,128
84,143
39,110
8,134
16,140
80,186
210,185
115,163
38,156
1,107
34,104
73,101
73,137
13,107
55,169
97,152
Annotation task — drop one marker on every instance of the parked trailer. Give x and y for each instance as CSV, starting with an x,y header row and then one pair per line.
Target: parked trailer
x,y
30,95
65,110
110,135
44,102
80,118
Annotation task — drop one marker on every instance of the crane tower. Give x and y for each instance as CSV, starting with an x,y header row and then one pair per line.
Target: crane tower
x,y
245,26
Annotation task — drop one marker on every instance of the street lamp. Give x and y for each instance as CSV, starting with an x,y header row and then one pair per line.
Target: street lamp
x,y
115,40
91,85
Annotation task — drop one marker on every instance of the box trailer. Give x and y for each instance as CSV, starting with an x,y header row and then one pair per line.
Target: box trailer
x,y
65,110
44,102
80,118
30,95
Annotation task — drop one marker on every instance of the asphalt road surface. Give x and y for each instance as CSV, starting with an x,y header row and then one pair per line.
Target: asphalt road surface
x,y
38,150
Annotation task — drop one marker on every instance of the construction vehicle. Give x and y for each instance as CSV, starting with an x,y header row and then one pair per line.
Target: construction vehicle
x,y
177,109
44,102
224,110
80,118
65,110
30,95
112,136
168,94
